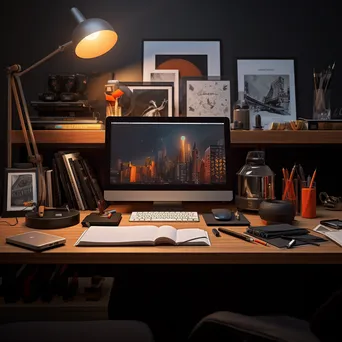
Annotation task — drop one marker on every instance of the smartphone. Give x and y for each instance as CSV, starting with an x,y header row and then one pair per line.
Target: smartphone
x,y
333,223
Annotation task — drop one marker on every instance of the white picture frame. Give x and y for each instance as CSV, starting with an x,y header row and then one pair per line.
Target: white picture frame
x,y
168,75
140,89
207,98
259,79
211,49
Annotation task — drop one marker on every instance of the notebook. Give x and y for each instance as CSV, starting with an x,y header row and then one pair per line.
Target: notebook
x,y
335,236
142,236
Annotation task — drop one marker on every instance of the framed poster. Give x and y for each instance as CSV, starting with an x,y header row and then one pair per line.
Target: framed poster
x,y
21,186
269,89
191,58
151,99
207,97
170,76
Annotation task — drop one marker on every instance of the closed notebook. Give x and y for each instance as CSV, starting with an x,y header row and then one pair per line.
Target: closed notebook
x,y
142,236
276,230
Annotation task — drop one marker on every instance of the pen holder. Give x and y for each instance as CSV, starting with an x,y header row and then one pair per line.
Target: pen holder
x,y
321,105
308,200
292,193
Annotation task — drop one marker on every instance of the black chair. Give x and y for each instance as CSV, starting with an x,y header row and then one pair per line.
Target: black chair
x,y
76,331
228,326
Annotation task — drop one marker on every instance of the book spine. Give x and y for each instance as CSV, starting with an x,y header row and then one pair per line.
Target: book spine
x,y
68,126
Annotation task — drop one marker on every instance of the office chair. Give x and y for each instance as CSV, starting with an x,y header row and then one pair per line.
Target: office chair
x,y
225,326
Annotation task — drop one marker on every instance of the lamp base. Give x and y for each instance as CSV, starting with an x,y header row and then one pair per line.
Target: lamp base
x,y
53,219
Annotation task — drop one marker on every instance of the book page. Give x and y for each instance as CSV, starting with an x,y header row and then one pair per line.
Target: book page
x,y
336,236
166,234
193,236
118,236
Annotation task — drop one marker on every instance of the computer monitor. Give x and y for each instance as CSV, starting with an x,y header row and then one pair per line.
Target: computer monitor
x,y
167,159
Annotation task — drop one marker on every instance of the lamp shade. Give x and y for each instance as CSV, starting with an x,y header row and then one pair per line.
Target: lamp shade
x,y
92,37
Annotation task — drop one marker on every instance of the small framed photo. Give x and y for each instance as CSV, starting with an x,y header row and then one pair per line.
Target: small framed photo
x,y
21,185
268,86
151,99
191,58
170,76
207,97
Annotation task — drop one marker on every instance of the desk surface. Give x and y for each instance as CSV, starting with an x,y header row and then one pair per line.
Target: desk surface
x,y
224,250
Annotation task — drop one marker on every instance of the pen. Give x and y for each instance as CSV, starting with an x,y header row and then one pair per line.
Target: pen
x,y
109,215
300,239
235,234
260,242
216,232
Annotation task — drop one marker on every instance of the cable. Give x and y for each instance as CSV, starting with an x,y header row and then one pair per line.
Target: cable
x,y
2,222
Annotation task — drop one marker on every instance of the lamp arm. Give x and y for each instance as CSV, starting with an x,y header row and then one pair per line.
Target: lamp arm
x,y
15,89
61,48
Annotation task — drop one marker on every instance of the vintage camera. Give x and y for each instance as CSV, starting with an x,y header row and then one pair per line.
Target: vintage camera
x,y
66,88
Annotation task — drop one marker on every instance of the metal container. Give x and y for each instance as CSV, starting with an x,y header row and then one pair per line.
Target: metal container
x,y
255,182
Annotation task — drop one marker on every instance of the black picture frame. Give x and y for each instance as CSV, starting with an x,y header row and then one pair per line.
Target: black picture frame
x,y
157,87
26,192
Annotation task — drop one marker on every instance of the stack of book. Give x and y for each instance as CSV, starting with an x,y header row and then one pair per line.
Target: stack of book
x,y
65,115
72,181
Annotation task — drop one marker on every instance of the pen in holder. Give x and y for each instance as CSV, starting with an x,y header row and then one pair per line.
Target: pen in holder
x,y
290,192
308,200
321,105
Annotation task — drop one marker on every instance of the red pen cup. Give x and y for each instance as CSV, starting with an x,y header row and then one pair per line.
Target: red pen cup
x,y
308,200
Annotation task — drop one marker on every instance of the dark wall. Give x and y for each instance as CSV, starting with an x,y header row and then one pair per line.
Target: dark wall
x,y
247,29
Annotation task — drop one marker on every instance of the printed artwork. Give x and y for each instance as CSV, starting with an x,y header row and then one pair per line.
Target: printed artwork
x,y
152,102
268,94
207,98
21,189
169,76
268,87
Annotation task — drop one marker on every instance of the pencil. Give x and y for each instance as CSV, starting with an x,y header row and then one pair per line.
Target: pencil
x,y
288,183
312,179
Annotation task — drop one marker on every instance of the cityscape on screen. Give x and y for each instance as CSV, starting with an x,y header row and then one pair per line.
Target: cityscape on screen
x,y
168,154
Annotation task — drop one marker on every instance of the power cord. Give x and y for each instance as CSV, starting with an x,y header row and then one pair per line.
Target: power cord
x,y
2,222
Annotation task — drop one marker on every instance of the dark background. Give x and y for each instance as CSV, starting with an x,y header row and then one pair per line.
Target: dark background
x,y
247,29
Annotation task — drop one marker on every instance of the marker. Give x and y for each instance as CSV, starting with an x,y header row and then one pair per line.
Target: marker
x,y
109,215
216,232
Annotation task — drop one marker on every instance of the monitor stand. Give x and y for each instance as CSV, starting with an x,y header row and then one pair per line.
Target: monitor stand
x,y
167,206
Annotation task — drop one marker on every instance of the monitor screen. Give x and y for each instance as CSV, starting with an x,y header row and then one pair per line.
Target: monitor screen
x,y
166,153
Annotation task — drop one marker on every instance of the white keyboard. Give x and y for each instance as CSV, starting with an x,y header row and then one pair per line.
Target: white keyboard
x,y
167,216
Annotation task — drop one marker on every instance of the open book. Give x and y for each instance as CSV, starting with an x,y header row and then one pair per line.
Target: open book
x,y
142,236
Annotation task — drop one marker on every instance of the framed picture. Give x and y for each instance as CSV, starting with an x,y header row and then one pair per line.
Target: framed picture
x,y
170,76
151,99
191,58
21,185
207,97
269,88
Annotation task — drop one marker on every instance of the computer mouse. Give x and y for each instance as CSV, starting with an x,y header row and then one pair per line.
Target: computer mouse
x,y
222,214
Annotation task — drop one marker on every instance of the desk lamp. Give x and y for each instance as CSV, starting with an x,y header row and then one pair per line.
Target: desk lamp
x,y
91,38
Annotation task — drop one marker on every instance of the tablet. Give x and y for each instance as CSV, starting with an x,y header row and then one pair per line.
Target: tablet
x,y
36,241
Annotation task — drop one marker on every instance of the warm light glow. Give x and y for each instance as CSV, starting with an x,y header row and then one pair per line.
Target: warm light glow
x,y
183,137
96,44
93,36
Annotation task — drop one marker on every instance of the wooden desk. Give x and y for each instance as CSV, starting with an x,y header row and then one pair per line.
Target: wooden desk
x,y
224,250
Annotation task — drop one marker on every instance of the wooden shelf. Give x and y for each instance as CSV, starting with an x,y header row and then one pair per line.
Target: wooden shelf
x,y
237,137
